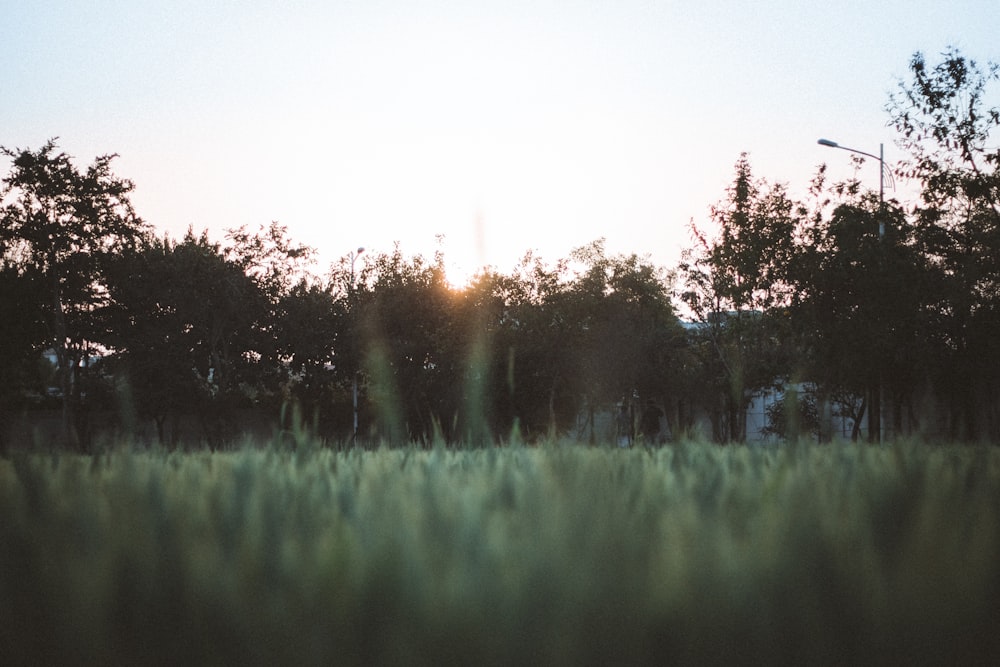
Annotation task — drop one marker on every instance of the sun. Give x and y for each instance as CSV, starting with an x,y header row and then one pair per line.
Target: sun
x,y
460,274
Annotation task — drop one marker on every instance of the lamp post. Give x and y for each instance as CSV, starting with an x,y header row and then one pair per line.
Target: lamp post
x,y
354,375
881,176
875,412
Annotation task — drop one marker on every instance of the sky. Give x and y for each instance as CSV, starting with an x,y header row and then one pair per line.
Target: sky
x,y
480,129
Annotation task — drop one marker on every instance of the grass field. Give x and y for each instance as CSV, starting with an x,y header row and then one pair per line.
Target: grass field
x,y
561,554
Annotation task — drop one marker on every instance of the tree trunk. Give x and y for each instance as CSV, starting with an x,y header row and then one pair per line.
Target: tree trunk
x,y
65,371
825,417
875,413
856,429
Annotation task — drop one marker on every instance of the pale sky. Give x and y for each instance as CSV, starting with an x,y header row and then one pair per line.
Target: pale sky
x,y
504,126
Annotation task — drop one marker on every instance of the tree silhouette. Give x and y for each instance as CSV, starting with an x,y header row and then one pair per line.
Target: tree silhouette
x,y
736,285
950,134
183,331
63,225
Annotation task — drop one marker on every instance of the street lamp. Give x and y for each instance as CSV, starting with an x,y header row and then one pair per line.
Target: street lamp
x,y
354,257
883,172
875,413
354,379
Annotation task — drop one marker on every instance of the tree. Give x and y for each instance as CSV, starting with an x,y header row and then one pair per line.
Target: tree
x,y
736,285
486,372
182,332
270,258
63,225
856,306
628,335
309,332
534,348
22,337
278,268
950,135
411,352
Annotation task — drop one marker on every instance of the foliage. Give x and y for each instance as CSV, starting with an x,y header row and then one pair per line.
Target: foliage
x,y
794,416
950,133
558,555
22,337
412,355
62,225
859,294
274,262
737,286
183,331
888,310
520,354
630,339
309,335
534,362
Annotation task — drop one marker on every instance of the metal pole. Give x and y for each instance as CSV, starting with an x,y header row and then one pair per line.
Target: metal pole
x,y
354,390
875,410
877,399
881,192
354,374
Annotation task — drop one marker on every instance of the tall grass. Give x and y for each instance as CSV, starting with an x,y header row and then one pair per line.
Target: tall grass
x,y
560,555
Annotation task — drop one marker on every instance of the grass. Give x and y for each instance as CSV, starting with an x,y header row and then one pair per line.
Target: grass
x,y
561,554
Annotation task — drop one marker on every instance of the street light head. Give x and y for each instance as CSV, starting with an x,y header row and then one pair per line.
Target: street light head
x,y
360,250
827,142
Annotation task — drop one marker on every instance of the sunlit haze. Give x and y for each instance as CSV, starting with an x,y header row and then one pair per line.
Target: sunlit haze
x,y
496,127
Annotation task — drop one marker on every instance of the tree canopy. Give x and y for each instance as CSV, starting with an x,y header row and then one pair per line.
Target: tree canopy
x,y
875,308
60,226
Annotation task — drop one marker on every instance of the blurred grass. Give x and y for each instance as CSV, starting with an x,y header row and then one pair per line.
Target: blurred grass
x,y
561,554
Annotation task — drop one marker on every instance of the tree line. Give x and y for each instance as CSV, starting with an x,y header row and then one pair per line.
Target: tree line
x,y
853,305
